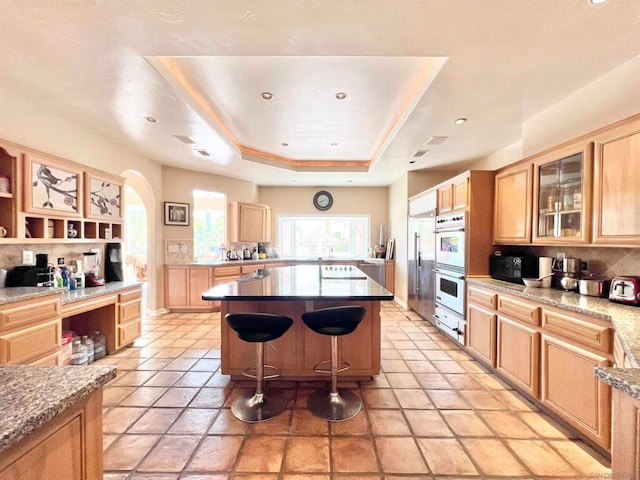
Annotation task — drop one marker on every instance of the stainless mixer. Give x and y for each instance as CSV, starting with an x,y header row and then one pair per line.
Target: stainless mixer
x,y
570,268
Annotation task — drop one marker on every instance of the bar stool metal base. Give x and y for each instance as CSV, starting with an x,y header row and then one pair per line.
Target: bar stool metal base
x,y
254,407
334,407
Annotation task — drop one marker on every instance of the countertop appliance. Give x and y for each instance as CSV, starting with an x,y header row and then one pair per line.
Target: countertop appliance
x,y
625,290
29,276
513,267
91,262
421,254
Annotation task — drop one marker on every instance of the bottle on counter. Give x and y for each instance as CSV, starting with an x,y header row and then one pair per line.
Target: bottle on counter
x,y
254,254
99,345
78,353
88,343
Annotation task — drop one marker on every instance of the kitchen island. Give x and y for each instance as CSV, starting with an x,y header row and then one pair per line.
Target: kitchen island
x,y
292,291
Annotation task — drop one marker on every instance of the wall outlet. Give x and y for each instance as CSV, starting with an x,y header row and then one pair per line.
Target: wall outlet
x,y
560,255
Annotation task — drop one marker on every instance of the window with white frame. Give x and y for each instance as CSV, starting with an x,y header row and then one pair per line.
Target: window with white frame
x,y
208,225
323,235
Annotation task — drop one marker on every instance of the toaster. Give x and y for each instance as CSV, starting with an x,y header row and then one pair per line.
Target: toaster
x,y
625,290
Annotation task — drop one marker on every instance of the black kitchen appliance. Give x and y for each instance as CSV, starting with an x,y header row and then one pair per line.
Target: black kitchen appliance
x,y
113,263
513,267
29,276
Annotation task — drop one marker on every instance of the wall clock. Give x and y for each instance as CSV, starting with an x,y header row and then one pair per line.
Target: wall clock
x,y
323,200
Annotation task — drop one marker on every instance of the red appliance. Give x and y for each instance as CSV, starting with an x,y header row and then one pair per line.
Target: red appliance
x,y
625,290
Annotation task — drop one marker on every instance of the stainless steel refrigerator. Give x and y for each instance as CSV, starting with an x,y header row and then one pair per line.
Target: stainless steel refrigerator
x,y
421,254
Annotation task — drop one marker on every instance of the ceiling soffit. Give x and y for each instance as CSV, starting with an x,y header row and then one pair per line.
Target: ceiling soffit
x,y
304,127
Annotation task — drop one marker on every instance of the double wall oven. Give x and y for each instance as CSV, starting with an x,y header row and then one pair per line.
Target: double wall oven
x,y
450,275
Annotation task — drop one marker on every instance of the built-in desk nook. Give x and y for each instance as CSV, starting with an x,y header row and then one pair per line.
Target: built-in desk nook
x,y
32,319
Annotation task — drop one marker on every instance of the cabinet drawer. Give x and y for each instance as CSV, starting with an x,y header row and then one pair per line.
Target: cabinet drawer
x,y
129,296
129,311
128,333
226,271
252,268
29,312
582,332
53,359
519,310
480,296
24,345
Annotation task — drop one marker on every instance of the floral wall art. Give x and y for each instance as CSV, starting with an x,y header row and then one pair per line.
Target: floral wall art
x,y
104,198
54,187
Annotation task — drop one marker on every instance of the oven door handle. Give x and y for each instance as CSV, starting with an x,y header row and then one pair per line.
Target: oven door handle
x,y
445,230
446,274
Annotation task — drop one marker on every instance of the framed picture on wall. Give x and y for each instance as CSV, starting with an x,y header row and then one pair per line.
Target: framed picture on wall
x,y
103,198
176,213
52,186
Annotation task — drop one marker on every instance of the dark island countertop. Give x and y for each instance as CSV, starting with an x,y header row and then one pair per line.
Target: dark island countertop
x,y
32,395
301,282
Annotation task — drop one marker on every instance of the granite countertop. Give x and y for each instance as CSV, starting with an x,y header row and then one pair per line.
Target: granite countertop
x,y
301,260
17,294
70,296
624,318
301,282
31,395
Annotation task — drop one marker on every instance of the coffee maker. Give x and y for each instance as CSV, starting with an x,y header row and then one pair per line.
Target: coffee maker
x,y
570,268
91,260
113,263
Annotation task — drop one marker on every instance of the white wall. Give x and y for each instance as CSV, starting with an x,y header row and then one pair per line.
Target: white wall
x,y
610,98
26,123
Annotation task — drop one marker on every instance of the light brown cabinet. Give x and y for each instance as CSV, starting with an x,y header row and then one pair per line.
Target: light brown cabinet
x,y
249,222
518,356
129,317
625,441
88,208
570,389
68,447
30,331
512,205
481,333
453,196
616,180
562,195
546,352
184,285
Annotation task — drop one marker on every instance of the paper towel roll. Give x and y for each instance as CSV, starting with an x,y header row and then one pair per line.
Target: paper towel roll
x,y
544,268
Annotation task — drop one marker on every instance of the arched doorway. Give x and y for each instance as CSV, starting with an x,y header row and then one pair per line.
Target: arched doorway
x,y
140,237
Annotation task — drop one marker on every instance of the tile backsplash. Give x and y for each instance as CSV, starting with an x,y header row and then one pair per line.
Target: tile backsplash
x,y
607,261
11,255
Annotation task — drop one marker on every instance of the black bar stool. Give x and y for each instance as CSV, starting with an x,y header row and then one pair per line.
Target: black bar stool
x,y
330,403
258,328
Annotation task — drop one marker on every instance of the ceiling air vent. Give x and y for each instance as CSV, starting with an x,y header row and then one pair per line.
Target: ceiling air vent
x,y
435,140
419,153
184,139
204,153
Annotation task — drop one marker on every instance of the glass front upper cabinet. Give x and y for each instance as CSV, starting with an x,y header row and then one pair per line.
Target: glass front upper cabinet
x,y
562,198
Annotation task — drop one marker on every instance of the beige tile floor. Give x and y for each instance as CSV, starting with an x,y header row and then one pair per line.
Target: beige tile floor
x,y
433,413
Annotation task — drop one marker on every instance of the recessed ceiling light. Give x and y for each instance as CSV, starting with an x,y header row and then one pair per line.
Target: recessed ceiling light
x,y
267,95
341,95
596,2
150,119
284,144
460,121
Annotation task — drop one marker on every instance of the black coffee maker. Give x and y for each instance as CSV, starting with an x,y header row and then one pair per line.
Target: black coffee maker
x,y
113,263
